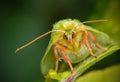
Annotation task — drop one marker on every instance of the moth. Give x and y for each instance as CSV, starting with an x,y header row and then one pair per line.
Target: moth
x,y
69,37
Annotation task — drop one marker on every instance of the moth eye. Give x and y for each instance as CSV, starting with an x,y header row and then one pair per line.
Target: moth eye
x,y
64,36
73,35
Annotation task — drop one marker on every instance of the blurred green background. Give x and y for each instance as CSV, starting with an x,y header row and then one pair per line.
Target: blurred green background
x,y
23,20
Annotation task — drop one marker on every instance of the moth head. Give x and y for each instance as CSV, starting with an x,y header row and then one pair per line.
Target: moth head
x,y
69,34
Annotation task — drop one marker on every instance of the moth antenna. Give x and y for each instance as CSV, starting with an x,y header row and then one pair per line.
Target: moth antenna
x,y
93,21
39,37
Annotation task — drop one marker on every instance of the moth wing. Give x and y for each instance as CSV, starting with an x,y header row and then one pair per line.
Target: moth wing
x,y
48,60
101,37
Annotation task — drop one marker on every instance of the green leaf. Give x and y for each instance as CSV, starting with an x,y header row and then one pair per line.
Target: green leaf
x,y
54,75
110,74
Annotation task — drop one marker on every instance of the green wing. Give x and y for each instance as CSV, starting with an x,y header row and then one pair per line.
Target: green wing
x,y
101,37
48,60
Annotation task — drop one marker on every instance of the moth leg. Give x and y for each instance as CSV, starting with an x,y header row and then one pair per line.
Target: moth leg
x,y
67,60
62,48
87,44
94,41
56,58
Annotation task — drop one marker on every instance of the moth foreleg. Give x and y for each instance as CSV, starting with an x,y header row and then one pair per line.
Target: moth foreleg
x,y
87,44
56,57
67,60
63,49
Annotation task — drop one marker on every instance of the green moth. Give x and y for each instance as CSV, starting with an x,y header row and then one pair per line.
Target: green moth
x,y
71,41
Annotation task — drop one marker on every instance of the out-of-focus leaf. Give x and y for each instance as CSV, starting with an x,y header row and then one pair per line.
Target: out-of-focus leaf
x,y
110,74
112,14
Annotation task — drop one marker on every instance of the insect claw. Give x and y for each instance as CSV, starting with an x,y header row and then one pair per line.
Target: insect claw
x,y
72,71
105,48
101,47
94,56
